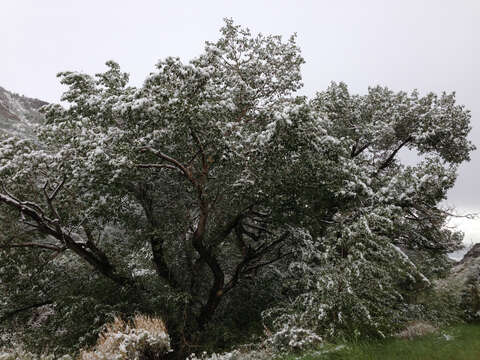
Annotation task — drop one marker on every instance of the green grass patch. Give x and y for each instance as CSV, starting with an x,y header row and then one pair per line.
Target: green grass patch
x,y
461,342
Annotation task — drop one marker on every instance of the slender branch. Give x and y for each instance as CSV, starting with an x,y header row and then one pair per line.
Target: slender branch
x,y
355,152
268,262
260,251
5,190
388,161
92,246
57,189
157,166
50,199
251,235
193,157
242,246
251,256
470,216
169,159
201,149
227,229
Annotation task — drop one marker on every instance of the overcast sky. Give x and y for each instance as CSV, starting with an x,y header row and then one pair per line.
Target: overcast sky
x,y
429,45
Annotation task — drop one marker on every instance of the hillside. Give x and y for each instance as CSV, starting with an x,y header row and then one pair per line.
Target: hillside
x,y
18,113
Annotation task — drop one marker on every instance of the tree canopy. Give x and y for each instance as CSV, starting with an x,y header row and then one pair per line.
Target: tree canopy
x,y
214,189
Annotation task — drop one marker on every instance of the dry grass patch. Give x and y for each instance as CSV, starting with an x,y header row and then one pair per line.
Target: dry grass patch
x,y
416,329
144,337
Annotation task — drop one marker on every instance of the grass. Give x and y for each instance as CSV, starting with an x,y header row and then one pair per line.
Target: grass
x,y
461,342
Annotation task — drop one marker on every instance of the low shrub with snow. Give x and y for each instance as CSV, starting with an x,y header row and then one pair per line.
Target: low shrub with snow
x,y
292,338
235,355
18,354
288,339
120,340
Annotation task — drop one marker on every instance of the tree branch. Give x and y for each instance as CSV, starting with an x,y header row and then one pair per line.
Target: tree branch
x,y
206,254
50,227
169,159
389,160
157,166
156,243
355,152
201,149
251,256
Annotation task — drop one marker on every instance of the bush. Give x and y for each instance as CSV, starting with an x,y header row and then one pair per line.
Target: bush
x,y
19,354
292,338
123,341
235,355
287,339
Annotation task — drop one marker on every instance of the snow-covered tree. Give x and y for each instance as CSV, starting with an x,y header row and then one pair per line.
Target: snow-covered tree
x,y
214,175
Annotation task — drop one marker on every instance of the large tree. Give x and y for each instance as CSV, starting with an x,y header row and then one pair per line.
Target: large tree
x,y
213,173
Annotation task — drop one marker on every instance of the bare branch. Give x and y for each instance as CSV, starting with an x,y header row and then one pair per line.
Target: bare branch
x,y
57,189
169,159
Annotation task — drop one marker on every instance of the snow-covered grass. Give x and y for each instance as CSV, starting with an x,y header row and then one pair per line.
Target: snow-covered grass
x,y
461,342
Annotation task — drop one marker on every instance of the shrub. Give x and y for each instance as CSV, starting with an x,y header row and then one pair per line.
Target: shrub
x,y
292,338
146,336
19,354
288,338
235,355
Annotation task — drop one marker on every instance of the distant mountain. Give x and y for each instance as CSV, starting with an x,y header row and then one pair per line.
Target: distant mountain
x,y
18,113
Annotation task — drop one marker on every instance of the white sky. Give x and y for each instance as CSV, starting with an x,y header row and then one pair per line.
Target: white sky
x,y
431,45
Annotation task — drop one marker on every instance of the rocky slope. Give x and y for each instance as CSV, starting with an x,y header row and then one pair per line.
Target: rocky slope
x,y
464,283
472,254
18,113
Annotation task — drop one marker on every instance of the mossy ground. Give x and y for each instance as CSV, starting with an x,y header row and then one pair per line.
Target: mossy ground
x,y
461,342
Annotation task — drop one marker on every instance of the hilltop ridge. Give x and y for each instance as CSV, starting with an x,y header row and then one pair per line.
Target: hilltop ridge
x,y
18,113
